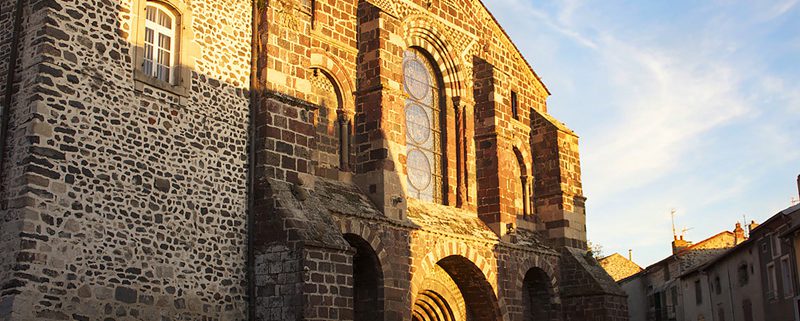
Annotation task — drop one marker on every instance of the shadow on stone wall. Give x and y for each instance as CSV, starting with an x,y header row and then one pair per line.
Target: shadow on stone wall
x,y
133,196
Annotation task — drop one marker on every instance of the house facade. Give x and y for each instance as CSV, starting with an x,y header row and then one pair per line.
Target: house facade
x,y
667,291
741,276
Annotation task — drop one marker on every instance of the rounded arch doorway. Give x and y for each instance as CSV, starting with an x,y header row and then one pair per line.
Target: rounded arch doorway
x,y
537,297
455,289
367,280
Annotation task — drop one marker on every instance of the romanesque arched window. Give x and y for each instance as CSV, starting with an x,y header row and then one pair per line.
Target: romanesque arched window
x,y
160,42
332,127
521,187
421,85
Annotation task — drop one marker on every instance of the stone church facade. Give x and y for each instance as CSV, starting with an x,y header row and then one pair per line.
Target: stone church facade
x,y
284,160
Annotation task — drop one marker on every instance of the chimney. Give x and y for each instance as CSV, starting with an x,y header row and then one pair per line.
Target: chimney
x,y
630,255
798,185
680,244
752,226
738,234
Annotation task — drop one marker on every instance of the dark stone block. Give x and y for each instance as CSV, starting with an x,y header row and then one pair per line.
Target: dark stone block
x,y
162,185
125,295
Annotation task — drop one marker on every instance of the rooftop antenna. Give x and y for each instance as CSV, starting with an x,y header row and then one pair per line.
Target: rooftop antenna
x,y
747,230
797,200
684,230
674,233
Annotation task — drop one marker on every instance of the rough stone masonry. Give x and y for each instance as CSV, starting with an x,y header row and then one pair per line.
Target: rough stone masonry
x,y
291,160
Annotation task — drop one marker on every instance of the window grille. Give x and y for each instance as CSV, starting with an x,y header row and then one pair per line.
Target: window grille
x,y
160,43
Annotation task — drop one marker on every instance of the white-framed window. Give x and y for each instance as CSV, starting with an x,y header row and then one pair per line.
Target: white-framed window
x,y
160,37
786,277
772,285
776,245
163,50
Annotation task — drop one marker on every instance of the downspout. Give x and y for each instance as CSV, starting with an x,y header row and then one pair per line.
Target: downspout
x,y
251,163
9,90
730,293
710,296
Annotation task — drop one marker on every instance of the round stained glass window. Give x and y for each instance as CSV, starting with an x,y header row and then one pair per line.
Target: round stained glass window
x,y
419,169
417,80
418,125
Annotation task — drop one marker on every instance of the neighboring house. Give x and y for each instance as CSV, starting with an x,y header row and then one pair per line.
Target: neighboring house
x,y
792,236
656,293
778,264
725,288
619,267
755,280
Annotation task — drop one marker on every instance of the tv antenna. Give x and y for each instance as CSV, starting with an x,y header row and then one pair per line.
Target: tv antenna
x,y
674,233
684,230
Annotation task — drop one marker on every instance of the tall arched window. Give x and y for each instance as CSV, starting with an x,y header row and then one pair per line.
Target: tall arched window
x,y
423,134
160,37
332,127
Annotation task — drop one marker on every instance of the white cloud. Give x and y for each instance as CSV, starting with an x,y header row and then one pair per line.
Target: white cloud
x,y
771,10
672,99
668,102
525,9
777,91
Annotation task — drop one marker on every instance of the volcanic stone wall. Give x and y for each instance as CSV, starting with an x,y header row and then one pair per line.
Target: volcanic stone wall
x,y
587,291
7,15
18,160
126,201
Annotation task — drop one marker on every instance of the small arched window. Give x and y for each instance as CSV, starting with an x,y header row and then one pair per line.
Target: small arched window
x,y
520,184
423,123
160,42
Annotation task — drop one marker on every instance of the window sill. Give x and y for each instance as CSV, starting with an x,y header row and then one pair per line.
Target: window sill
x,y
141,78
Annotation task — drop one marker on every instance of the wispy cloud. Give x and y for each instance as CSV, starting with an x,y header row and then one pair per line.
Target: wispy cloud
x,y
772,10
525,9
685,110
667,103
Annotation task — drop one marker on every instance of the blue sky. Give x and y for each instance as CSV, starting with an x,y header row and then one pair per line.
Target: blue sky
x,y
692,105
